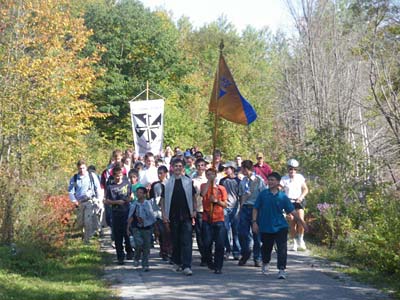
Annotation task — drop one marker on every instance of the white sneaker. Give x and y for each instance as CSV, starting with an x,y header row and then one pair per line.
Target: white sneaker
x,y
264,269
187,271
302,245
294,248
281,274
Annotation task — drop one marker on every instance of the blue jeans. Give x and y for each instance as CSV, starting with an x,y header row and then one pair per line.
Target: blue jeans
x,y
216,233
280,238
246,236
143,243
181,235
231,225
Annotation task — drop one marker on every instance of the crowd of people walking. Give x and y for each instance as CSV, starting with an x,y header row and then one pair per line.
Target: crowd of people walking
x,y
235,209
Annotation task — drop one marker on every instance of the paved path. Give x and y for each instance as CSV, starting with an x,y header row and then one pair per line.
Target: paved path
x,y
308,279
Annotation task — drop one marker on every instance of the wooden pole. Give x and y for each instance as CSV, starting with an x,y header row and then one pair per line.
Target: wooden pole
x,y
215,133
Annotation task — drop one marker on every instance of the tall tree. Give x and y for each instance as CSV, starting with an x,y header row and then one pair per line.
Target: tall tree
x,y
43,83
139,46
382,52
250,57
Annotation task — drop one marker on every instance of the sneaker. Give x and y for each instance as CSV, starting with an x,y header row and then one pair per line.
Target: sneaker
x,y
281,274
294,248
136,263
302,245
264,269
187,271
177,268
146,269
243,259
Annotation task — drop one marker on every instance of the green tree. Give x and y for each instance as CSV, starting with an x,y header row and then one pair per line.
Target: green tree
x,y
139,46
43,83
250,57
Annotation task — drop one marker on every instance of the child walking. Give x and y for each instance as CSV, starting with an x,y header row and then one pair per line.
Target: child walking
x,y
142,218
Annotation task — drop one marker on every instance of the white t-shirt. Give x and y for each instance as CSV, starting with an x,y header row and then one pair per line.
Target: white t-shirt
x,y
292,186
197,182
148,176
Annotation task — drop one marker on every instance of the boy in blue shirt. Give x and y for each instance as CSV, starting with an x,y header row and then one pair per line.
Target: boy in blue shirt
x,y
142,215
268,219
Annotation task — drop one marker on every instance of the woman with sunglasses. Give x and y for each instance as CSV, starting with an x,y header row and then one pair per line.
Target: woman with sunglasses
x,y
295,187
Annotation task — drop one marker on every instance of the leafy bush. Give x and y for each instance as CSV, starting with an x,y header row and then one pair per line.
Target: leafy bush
x,y
47,223
375,242
33,217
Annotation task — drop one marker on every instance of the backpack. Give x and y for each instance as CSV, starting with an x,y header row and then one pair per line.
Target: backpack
x,y
91,181
110,180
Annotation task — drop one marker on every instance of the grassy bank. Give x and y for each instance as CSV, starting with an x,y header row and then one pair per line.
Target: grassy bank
x,y
389,283
75,273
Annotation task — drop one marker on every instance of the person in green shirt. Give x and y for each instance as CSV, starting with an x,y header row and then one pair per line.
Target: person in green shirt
x,y
134,184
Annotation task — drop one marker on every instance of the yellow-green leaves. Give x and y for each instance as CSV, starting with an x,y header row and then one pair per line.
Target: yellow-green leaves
x,y
44,80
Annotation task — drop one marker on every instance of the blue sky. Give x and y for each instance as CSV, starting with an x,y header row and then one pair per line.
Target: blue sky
x,y
257,13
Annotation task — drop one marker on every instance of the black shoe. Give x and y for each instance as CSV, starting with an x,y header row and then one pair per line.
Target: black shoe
x,y
129,256
211,266
120,262
243,259
257,264
236,258
217,271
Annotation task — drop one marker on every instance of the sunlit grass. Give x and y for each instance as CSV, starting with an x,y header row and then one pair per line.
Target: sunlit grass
x,y
75,273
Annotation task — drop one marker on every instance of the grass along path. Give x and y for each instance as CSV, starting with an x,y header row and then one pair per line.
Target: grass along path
x,y
388,283
73,275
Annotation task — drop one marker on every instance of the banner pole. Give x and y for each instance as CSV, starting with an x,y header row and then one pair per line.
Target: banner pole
x,y
215,133
214,193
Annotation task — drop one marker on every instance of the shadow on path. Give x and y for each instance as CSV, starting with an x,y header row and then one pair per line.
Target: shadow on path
x,y
308,279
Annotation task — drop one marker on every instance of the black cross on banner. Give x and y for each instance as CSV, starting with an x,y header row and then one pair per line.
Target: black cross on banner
x,y
147,128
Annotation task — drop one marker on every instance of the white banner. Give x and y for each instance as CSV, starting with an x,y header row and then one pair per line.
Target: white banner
x,y
147,125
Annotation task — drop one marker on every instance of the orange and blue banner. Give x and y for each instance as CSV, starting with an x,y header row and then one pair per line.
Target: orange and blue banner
x,y
226,100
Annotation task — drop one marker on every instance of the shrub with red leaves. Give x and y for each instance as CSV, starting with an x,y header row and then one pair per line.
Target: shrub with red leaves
x,y
57,211
62,207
